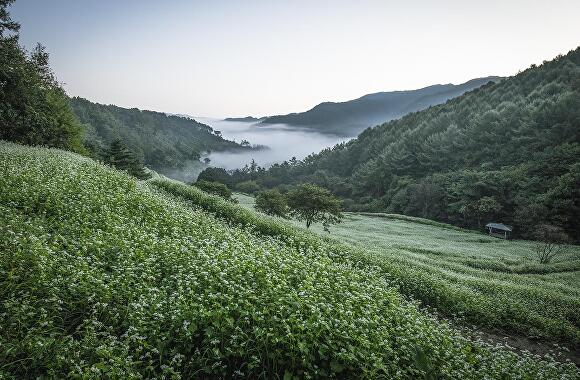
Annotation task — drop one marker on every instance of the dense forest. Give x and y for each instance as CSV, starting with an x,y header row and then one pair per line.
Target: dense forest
x,y
351,117
164,142
507,152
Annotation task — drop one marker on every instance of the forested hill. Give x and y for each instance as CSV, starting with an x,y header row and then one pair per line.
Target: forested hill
x,y
352,117
506,152
164,142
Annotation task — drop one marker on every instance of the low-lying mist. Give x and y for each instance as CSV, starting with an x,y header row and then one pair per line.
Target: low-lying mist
x,y
284,142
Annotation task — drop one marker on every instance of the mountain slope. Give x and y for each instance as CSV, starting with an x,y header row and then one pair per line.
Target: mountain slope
x,y
508,152
165,142
352,117
105,277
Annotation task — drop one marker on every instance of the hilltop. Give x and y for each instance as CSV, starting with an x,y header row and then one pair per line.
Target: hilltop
x,y
352,117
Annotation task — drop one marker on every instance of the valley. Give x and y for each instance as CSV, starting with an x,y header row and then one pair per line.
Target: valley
x,y
421,231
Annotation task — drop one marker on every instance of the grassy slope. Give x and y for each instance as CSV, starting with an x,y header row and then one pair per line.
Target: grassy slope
x,y
102,276
490,282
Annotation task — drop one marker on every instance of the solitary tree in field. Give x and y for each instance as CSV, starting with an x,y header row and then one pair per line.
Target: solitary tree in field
x,y
550,242
313,204
272,202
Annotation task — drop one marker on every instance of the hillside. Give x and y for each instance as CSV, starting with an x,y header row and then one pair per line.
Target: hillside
x,y
103,276
491,283
166,143
352,117
508,152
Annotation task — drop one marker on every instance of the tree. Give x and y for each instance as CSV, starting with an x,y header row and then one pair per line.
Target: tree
x,y
550,242
425,199
34,108
215,175
483,207
215,188
272,202
122,158
6,23
313,204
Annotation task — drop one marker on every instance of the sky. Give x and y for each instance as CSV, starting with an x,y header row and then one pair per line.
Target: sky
x,y
238,58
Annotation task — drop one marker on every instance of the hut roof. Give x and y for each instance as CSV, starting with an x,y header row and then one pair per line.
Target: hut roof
x,y
499,226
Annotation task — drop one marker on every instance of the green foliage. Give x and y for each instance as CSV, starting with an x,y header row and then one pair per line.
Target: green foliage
x,y
120,157
487,282
215,175
515,142
215,188
272,202
248,187
164,142
34,108
102,276
314,204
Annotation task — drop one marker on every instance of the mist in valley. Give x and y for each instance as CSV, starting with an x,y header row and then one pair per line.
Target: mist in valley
x,y
282,141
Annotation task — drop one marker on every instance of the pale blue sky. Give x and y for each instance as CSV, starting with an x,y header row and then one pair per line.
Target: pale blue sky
x,y
237,58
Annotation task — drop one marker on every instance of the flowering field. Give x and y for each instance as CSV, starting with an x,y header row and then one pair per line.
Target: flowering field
x,y
486,281
103,276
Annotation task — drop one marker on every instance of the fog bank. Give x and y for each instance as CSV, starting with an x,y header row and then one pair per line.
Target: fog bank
x,y
284,142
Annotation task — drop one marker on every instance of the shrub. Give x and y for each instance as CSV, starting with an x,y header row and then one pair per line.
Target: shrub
x,y
248,187
550,242
215,188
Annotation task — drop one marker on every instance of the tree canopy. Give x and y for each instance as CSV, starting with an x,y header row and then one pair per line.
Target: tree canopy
x,y
312,204
272,202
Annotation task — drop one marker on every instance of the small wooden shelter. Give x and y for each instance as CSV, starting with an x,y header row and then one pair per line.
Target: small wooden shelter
x,y
499,230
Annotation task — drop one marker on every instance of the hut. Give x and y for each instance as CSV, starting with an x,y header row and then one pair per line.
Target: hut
x,y
499,230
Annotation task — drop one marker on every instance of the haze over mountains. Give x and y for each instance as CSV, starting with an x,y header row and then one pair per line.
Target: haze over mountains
x,y
352,117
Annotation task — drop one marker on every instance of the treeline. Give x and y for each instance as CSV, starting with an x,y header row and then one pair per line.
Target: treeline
x,y
508,152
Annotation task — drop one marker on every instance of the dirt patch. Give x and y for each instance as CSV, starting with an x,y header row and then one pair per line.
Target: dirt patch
x,y
520,343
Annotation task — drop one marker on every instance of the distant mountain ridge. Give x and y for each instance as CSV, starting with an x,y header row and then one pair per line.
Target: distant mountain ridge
x,y
247,119
352,117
